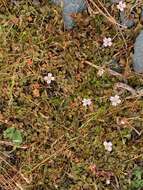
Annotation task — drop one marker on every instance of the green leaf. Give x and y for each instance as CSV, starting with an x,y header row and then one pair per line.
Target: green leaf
x,y
137,181
14,135
138,173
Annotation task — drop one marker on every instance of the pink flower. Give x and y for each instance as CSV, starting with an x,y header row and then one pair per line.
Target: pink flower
x,y
49,78
115,100
108,146
108,182
121,6
86,102
107,42
100,72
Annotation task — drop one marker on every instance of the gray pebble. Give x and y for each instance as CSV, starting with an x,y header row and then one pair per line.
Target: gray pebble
x,y
138,54
70,7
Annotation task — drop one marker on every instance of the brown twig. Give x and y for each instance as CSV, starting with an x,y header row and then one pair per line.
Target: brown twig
x,y
11,144
126,87
110,71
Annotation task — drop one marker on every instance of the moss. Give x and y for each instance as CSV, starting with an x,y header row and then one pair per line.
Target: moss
x,y
61,138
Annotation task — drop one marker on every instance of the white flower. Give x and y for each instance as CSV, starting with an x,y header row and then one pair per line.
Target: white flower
x,y
49,78
115,100
100,72
121,6
108,181
107,42
108,146
122,122
86,102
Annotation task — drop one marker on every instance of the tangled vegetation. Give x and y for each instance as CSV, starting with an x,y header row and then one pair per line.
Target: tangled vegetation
x,y
81,127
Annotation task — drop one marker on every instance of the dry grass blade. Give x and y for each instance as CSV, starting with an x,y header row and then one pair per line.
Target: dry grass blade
x,y
11,178
4,183
105,13
48,158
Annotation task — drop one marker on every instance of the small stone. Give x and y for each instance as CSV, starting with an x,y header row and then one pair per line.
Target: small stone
x,y
138,54
70,7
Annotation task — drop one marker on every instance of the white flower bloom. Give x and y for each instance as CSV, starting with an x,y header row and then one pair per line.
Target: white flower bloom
x,y
115,100
86,102
122,122
107,42
49,78
108,146
100,72
108,181
121,6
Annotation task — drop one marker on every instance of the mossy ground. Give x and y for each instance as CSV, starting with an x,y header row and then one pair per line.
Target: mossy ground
x,y
63,139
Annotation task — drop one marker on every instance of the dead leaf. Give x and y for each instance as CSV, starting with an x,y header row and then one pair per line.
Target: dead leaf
x,y
36,92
